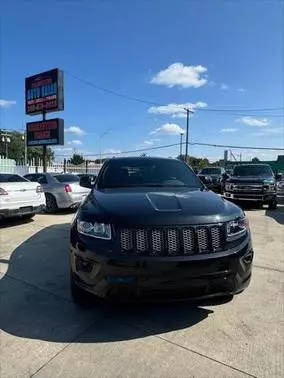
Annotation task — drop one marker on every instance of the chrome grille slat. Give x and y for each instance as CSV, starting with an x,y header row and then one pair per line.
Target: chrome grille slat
x,y
171,241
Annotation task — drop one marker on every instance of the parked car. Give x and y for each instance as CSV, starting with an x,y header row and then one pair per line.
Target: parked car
x,y
62,191
252,182
19,197
151,230
213,178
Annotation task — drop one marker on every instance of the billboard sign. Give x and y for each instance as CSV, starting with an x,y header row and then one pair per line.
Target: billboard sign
x,y
48,132
44,92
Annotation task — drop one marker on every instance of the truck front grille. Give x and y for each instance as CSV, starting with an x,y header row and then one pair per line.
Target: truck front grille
x,y
172,241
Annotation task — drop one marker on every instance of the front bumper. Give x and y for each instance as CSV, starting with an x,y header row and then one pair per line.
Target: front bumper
x,y
25,210
249,196
162,278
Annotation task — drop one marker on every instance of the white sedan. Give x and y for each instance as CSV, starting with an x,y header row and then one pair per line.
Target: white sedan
x,y
20,197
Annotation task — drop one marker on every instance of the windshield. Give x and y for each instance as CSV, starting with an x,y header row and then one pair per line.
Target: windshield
x,y
252,170
67,178
147,172
11,178
211,171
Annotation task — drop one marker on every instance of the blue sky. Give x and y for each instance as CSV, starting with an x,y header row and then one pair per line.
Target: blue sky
x,y
224,54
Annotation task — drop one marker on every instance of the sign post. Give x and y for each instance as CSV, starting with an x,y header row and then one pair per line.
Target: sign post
x,y
44,93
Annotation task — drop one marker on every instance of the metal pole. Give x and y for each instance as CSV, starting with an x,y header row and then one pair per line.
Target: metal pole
x,y
44,149
187,130
180,147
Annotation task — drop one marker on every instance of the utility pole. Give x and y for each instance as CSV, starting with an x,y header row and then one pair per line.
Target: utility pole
x,y
187,132
180,147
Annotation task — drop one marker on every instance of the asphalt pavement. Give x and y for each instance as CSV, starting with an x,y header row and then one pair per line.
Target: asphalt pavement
x,y
44,334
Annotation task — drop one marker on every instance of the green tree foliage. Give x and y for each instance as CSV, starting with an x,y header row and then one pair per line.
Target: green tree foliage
x,y
16,148
76,159
195,162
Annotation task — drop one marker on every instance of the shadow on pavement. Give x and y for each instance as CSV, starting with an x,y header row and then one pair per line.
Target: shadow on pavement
x,y
36,303
277,214
14,221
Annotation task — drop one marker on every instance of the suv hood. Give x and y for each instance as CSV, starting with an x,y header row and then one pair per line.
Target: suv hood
x,y
143,206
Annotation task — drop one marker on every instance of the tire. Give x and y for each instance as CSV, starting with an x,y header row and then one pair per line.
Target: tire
x,y
272,205
51,204
28,216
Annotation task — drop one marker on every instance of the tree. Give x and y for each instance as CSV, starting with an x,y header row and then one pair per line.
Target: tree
x,y
16,148
255,160
77,159
195,162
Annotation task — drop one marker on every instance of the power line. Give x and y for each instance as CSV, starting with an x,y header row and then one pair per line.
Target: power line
x,y
148,102
190,143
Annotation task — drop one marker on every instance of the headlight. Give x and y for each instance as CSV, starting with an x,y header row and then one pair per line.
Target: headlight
x,y
95,230
228,186
269,186
280,185
237,228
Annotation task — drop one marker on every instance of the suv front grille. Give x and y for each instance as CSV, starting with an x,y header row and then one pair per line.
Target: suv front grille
x,y
172,241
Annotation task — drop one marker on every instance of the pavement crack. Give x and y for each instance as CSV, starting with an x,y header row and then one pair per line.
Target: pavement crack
x,y
203,355
65,347
267,268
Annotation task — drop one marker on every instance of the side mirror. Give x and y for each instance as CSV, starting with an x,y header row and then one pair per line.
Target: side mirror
x,y
279,176
87,182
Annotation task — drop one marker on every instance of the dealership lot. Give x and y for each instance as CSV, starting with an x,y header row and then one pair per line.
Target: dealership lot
x,y
44,334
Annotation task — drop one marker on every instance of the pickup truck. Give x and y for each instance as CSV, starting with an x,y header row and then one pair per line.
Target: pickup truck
x,y
253,182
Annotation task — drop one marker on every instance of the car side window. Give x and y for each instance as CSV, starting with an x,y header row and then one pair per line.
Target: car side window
x,y
41,179
32,178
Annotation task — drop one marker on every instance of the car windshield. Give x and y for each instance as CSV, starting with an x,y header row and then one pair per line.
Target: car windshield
x,y
11,178
148,172
252,170
211,171
67,178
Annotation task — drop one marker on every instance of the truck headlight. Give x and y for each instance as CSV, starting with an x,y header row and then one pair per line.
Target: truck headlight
x,y
94,229
237,228
228,186
269,186
280,185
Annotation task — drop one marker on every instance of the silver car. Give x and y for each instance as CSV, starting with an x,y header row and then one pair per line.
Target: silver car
x,y
62,191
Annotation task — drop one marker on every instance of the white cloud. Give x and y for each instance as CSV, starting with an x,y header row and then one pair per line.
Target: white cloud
x,y
269,132
112,151
62,149
150,142
229,130
224,86
242,90
6,103
75,142
248,120
176,110
168,128
74,130
181,75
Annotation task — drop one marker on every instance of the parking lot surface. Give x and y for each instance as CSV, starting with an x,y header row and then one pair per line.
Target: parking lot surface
x,y
43,334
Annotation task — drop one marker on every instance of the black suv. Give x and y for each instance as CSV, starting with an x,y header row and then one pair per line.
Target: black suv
x,y
213,178
150,230
252,182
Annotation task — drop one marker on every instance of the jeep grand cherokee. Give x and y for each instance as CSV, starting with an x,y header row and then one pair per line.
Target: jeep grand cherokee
x,y
150,230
